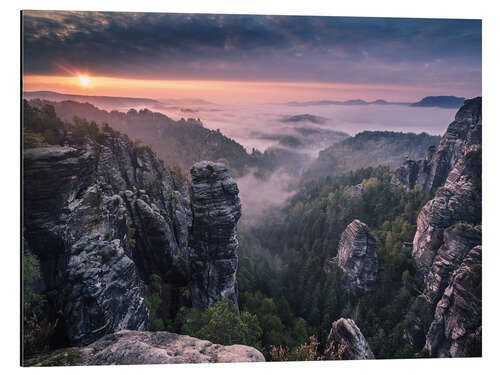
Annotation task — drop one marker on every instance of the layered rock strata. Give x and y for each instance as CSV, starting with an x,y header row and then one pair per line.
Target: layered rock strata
x,y
446,250
357,257
463,135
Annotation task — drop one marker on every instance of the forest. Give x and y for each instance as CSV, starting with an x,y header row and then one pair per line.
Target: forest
x,y
288,297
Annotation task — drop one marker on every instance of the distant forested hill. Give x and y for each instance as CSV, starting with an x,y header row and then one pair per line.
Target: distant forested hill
x,y
370,148
181,143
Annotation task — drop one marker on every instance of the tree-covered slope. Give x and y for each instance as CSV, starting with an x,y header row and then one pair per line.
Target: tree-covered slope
x,y
306,237
370,148
181,143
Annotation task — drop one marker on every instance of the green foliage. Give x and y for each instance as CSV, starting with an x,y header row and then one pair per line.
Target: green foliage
x,y
314,220
222,324
33,140
33,301
37,330
42,128
154,303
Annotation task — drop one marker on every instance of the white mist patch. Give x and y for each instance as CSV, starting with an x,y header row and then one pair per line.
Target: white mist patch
x,y
257,196
244,122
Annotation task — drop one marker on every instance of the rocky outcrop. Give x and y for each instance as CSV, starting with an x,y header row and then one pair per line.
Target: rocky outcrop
x,y
462,136
216,210
357,257
447,244
135,348
80,235
347,341
103,217
457,325
458,201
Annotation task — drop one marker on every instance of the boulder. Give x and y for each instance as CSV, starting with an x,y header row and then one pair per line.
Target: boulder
x,y
347,341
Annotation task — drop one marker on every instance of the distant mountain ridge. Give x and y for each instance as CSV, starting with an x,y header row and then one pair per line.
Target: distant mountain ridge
x,y
113,102
428,101
370,148
440,101
92,99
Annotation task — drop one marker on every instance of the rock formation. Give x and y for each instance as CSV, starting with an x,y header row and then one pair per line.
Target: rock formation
x,y
135,348
456,328
216,210
448,239
463,135
357,257
458,201
104,216
345,339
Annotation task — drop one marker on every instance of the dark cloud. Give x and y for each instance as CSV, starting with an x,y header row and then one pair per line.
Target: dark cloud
x,y
193,46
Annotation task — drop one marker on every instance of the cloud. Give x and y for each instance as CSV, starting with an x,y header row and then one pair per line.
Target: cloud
x,y
204,46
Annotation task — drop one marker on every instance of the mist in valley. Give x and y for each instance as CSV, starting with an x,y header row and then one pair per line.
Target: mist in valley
x,y
265,127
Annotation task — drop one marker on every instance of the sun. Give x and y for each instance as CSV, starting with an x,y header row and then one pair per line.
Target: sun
x,y
84,80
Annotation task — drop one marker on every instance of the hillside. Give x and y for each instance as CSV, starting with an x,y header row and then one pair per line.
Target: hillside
x,y
114,241
181,143
370,148
403,262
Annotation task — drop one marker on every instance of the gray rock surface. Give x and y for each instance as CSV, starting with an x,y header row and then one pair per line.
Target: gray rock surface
x,y
462,136
216,210
135,348
79,234
346,339
447,245
459,200
104,217
357,257
456,328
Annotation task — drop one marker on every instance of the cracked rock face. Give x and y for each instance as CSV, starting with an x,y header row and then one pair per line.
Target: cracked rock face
x,y
446,249
357,257
462,136
459,200
346,338
456,328
102,218
135,348
216,210
79,234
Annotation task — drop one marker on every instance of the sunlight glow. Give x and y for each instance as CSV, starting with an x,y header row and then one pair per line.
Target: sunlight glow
x,y
222,91
84,80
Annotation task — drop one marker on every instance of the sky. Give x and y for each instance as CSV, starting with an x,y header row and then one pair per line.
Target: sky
x,y
226,58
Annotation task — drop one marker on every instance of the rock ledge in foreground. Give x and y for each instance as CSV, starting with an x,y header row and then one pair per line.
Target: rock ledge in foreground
x,y
140,347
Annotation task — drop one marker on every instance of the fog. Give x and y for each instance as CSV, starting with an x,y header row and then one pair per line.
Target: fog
x,y
259,196
260,127
247,123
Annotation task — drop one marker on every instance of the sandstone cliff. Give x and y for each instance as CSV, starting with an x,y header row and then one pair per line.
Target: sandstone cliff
x,y
463,135
357,257
135,348
104,216
346,338
447,244
456,328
